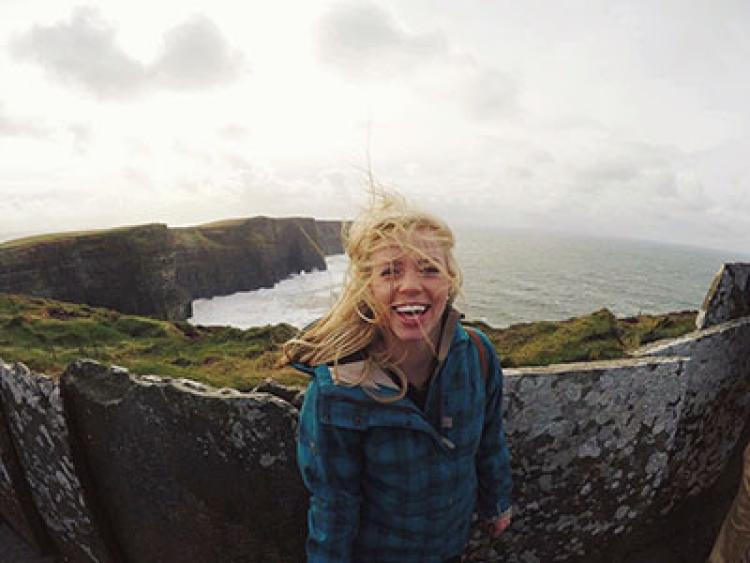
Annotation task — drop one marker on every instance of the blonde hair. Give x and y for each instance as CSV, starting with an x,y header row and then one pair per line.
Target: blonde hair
x,y
356,319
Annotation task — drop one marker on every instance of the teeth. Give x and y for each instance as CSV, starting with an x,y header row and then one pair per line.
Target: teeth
x,y
411,309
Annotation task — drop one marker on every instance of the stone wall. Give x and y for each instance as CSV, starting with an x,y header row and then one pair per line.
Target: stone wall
x,y
124,468
113,467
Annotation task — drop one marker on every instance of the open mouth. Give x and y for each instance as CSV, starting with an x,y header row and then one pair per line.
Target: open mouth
x,y
411,312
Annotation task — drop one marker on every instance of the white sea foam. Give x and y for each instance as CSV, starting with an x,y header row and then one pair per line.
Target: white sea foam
x,y
297,300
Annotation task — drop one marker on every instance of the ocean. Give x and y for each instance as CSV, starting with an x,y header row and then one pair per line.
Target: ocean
x,y
511,277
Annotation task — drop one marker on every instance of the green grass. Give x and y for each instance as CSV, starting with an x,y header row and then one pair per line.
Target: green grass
x,y
54,237
47,335
597,336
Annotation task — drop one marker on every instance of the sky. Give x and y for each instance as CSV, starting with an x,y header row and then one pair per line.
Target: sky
x,y
605,118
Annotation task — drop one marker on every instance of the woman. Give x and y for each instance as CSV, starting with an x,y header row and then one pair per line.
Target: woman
x,y
401,434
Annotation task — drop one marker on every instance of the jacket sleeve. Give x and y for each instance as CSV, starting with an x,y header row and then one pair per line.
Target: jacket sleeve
x,y
329,459
493,457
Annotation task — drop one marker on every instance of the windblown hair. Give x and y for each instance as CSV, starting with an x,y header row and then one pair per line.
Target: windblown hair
x,y
357,320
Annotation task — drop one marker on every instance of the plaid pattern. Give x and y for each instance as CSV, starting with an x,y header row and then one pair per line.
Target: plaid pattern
x,y
393,484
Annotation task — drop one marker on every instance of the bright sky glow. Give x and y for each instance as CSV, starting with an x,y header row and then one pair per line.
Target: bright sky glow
x,y
607,118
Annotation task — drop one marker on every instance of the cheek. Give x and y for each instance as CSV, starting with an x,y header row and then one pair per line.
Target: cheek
x,y
443,291
380,292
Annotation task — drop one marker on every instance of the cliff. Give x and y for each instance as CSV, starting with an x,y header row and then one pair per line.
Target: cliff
x,y
330,235
156,271
131,269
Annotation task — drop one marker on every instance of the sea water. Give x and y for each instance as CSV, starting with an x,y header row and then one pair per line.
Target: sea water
x,y
510,277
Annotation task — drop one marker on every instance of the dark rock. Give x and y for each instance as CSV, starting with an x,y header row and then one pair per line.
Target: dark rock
x,y
329,236
16,551
16,504
188,473
590,444
728,298
35,418
281,391
657,554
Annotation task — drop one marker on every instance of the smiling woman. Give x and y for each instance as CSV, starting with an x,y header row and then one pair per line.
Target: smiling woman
x,y
401,434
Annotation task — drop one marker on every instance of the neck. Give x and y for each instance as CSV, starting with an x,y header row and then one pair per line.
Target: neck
x,y
416,359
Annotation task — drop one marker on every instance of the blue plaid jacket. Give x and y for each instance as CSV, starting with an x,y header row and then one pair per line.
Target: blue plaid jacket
x,y
393,484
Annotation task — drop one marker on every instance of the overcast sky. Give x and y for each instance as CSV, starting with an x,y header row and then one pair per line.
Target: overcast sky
x,y
625,119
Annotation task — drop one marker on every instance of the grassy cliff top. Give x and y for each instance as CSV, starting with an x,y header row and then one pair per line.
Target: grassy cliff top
x,y
191,236
47,335
57,237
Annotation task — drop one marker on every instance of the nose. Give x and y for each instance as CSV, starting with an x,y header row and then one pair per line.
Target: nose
x,y
410,280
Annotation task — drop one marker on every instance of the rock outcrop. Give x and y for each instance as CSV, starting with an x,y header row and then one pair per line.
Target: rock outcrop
x,y
185,472
728,298
37,424
156,271
330,235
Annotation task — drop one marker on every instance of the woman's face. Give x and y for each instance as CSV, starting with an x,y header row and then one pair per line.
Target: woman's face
x,y
411,290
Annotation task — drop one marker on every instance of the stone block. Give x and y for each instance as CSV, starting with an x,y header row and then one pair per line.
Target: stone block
x,y
185,472
590,447
715,407
728,297
35,418
16,504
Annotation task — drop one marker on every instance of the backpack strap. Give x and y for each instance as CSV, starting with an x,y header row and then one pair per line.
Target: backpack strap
x,y
482,349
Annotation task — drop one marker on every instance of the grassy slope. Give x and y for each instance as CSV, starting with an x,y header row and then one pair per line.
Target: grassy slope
x,y
56,237
597,336
47,335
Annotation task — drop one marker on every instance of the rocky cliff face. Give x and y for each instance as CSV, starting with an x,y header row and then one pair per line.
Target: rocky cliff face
x,y
329,235
131,269
222,258
157,271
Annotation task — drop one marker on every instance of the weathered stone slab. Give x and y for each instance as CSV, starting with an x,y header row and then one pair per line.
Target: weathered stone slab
x,y
289,394
185,472
590,444
35,418
728,297
715,408
16,505
14,550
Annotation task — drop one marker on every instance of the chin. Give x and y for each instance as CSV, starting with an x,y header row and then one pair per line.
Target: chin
x,y
412,335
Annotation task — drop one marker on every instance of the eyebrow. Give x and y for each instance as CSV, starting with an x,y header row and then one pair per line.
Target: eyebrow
x,y
419,261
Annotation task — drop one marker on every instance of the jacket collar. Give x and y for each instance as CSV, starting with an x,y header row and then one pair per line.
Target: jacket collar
x,y
351,373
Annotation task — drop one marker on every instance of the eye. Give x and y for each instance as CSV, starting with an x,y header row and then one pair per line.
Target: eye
x,y
429,269
389,270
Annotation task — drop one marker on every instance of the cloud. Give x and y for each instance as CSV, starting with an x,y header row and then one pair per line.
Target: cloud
x,y
196,56
84,52
81,135
488,92
20,127
364,39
